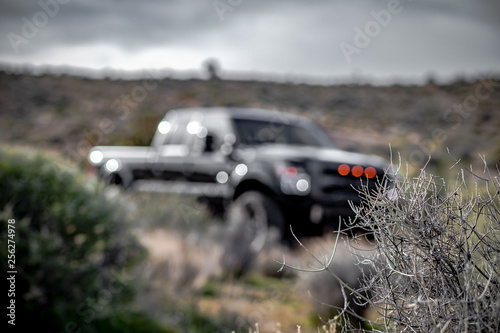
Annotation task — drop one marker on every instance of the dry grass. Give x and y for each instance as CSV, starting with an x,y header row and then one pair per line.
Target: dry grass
x,y
186,263
186,269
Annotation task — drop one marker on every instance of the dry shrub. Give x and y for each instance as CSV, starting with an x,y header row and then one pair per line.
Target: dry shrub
x,y
437,259
328,296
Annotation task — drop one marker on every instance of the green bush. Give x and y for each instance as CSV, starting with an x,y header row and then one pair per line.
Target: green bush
x,y
128,322
73,248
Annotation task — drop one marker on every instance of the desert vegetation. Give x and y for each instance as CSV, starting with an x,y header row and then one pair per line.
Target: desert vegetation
x,y
70,113
437,262
73,250
433,261
430,264
100,259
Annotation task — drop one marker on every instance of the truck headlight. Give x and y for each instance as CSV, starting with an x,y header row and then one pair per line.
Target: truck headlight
x,y
302,185
294,180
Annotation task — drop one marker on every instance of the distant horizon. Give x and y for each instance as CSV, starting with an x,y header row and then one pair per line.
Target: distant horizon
x,y
232,75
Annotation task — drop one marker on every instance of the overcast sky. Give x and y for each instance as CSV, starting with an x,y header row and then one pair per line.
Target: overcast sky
x,y
330,39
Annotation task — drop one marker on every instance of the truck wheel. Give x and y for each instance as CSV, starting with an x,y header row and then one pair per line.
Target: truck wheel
x,y
254,221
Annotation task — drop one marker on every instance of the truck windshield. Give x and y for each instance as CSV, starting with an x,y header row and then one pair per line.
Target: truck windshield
x,y
256,132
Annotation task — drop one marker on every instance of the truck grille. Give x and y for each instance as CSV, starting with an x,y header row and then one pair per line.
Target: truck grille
x,y
334,189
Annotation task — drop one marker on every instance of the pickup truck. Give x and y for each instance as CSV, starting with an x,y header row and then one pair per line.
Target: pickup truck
x,y
262,169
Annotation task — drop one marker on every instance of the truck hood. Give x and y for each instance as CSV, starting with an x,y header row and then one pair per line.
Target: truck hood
x,y
324,154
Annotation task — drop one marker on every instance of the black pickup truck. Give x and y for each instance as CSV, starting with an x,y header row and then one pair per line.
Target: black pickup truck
x,y
268,168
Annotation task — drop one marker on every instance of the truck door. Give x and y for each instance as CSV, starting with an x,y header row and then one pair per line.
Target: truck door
x,y
172,152
209,146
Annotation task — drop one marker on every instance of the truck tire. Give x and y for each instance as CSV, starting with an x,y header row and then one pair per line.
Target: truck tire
x,y
254,221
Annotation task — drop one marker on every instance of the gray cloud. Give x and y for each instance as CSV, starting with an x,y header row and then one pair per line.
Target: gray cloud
x,y
445,37
129,24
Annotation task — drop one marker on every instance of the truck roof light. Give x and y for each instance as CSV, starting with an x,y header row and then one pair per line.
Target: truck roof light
x,y
96,157
343,169
370,172
164,127
357,171
193,127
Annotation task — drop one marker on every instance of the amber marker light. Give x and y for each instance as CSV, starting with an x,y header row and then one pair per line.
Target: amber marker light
x,y
370,172
357,171
343,169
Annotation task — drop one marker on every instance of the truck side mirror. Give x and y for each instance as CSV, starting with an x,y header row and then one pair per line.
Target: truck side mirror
x,y
209,143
